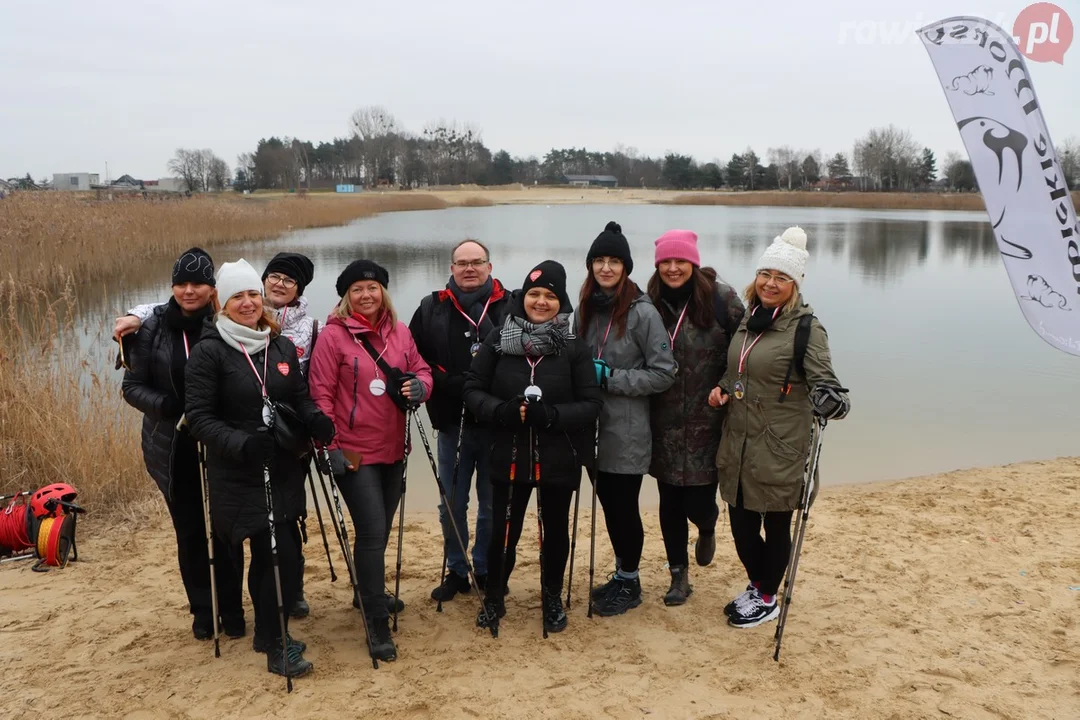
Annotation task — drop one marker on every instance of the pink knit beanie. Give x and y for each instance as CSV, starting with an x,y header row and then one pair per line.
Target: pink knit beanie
x,y
678,245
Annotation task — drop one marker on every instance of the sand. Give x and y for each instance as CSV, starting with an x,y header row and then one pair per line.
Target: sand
x,y
955,595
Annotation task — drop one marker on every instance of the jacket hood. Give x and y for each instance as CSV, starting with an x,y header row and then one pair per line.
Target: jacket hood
x,y
354,326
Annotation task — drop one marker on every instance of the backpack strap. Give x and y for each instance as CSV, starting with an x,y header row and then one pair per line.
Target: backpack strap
x,y
798,358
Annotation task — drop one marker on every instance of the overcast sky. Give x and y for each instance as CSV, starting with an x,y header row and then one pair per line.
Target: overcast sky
x,y
85,83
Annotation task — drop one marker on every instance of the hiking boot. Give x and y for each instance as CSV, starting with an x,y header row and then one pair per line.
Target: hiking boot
x,y
705,548
604,590
451,586
740,599
382,644
680,587
554,615
233,626
202,627
624,596
494,609
390,603
753,612
296,665
261,645
300,608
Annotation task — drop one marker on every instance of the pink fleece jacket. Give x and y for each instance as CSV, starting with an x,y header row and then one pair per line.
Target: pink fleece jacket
x,y
340,375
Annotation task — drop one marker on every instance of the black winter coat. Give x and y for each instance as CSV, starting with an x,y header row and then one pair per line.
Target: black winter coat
x,y
224,407
440,331
148,387
568,382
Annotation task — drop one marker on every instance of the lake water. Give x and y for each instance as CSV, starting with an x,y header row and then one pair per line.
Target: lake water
x,y
924,327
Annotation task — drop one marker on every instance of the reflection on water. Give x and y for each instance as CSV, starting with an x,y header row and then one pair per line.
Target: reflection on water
x,y
924,327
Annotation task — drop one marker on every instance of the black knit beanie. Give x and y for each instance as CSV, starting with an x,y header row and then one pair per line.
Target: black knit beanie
x,y
194,266
298,267
611,243
362,270
551,275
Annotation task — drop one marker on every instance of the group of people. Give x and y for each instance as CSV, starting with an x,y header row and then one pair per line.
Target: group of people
x,y
684,381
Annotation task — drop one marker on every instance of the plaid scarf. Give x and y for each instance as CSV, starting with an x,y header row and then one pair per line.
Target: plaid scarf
x,y
521,337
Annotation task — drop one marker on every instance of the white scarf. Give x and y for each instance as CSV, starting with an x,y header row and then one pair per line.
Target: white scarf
x,y
240,337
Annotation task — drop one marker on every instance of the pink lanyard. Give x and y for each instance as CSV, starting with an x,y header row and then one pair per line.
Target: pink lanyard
x,y
187,349
673,335
532,368
375,361
600,351
745,351
266,356
476,325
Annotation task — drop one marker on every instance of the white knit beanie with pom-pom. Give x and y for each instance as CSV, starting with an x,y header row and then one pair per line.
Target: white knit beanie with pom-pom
x,y
787,254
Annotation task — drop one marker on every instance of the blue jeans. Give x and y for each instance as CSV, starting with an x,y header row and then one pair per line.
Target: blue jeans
x,y
475,453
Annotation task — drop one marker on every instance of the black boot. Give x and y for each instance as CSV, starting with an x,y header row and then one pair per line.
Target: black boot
x,y
202,627
680,587
705,548
296,664
233,626
488,618
554,615
625,595
382,644
390,603
261,644
300,608
451,586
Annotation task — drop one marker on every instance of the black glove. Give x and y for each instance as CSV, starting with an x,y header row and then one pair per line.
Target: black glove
x,y
322,429
509,413
259,447
830,403
541,415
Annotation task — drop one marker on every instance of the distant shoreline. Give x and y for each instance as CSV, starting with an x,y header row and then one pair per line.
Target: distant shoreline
x,y
486,196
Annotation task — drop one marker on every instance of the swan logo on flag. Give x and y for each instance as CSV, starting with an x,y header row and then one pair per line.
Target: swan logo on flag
x,y
992,98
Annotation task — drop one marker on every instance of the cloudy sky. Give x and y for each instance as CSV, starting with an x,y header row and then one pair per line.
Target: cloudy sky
x,y
85,83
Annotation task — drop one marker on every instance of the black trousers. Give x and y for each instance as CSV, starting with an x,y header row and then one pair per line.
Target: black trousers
x,y
679,504
186,511
261,582
372,493
765,559
618,495
554,505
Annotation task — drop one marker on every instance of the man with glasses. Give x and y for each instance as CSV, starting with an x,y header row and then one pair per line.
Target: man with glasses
x,y
449,327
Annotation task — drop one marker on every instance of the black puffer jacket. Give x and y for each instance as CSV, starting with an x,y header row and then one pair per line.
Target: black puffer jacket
x,y
568,382
149,387
224,406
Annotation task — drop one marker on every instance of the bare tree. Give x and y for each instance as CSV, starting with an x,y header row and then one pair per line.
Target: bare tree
x,y
219,173
787,164
188,165
378,130
1069,157
890,157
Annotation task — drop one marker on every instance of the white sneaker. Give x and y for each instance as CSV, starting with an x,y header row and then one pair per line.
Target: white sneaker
x,y
754,612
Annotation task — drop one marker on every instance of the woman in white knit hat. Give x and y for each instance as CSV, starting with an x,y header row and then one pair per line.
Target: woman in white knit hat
x,y
771,396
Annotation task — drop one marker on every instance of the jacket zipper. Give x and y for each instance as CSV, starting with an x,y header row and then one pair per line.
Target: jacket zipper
x,y
355,384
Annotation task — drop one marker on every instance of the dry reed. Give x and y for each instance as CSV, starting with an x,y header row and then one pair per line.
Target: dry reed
x,y
47,238
858,200
474,201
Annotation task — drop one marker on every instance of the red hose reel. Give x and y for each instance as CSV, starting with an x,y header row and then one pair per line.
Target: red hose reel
x,y
43,521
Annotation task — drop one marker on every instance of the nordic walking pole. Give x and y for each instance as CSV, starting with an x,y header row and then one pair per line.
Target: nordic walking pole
x,y
277,576
401,514
453,522
322,528
319,460
453,496
804,515
209,547
343,536
594,478
534,473
573,542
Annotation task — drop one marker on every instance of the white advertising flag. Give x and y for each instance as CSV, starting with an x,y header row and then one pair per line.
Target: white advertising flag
x,y
993,101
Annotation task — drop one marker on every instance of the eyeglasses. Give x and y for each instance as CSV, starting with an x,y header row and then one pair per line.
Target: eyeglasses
x,y
462,264
283,280
610,262
781,280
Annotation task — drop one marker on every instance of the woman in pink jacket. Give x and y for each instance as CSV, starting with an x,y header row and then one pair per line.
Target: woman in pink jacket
x,y
364,369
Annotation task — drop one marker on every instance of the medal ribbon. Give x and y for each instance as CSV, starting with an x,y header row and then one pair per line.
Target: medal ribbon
x,y
532,368
374,361
266,356
678,325
187,348
744,352
603,344
476,325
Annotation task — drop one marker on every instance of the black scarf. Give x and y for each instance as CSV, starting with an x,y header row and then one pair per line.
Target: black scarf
x,y
761,319
183,325
473,302
677,297
601,300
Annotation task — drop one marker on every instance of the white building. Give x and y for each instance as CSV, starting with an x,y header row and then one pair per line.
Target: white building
x,y
75,181
172,184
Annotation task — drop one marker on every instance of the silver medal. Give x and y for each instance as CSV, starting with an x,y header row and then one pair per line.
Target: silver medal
x,y
474,349
739,390
267,414
534,394
377,387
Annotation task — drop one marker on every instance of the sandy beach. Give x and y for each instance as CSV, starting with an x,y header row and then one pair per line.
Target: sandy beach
x,y
955,595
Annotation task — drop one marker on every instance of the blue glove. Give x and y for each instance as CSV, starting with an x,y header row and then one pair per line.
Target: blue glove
x,y
603,372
